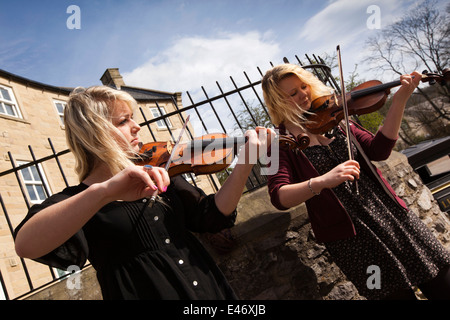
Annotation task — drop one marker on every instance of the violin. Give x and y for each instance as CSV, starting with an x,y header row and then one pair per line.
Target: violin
x,y
326,112
207,154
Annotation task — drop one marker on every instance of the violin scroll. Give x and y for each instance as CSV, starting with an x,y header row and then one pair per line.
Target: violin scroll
x,y
298,144
432,77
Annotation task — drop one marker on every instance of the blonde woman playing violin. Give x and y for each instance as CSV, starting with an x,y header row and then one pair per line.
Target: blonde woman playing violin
x,y
139,252
372,228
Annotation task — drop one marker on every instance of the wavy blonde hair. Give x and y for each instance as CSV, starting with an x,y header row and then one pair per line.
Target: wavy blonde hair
x,y
280,104
90,133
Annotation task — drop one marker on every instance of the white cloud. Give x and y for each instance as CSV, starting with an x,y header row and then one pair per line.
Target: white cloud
x,y
347,19
195,61
344,23
335,20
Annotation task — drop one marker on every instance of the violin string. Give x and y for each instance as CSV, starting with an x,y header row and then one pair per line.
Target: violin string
x,y
152,200
221,143
366,91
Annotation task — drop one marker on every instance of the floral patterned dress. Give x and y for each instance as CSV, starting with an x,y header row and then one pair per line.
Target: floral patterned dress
x,y
399,245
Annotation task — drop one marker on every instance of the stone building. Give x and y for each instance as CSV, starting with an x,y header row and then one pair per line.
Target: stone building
x,y
31,114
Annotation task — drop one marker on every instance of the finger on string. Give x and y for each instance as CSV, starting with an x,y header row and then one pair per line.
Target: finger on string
x,y
159,178
147,168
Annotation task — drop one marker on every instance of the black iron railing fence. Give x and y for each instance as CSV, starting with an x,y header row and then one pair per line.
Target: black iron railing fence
x,y
249,115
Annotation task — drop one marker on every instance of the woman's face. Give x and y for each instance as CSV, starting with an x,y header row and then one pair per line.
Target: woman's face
x,y
122,119
297,90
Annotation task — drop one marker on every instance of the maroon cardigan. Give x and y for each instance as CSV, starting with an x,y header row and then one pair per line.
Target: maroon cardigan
x,y
329,219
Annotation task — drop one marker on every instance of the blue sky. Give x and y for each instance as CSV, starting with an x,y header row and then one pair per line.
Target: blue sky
x,y
180,45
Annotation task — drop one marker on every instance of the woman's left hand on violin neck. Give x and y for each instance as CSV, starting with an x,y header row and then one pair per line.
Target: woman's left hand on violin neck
x,y
392,122
409,84
258,144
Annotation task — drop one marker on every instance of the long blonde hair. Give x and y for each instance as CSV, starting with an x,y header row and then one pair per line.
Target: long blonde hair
x,y
90,133
279,104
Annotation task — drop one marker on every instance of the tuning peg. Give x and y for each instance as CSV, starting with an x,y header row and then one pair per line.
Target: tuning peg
x,y
431,80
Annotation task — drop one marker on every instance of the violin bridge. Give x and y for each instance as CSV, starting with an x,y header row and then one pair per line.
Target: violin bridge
x,y
336,101
169,147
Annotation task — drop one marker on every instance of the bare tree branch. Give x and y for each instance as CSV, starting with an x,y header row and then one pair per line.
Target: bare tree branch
x,y
420,40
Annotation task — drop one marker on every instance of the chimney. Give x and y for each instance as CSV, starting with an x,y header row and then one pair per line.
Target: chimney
x,y
112,77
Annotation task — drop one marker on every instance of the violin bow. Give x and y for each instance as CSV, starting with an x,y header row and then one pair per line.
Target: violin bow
x,y
346,116
155,194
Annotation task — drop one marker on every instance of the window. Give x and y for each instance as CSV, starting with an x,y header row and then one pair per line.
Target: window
x,y
160,123
188,176
8,104
60,105
33,183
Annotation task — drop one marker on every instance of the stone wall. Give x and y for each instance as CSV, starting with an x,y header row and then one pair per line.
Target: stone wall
x,y
272,255
275,256
408,185
79,286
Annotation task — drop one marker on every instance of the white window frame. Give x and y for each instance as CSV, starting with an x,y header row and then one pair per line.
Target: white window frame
x,y
34,182
12,103
160,123
2,293
60,113
188,176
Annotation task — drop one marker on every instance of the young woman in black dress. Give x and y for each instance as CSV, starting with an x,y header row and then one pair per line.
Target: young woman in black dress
x,y
138,251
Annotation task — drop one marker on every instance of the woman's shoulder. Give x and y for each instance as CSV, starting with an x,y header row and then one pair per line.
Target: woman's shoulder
x,y
72,190
64,194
